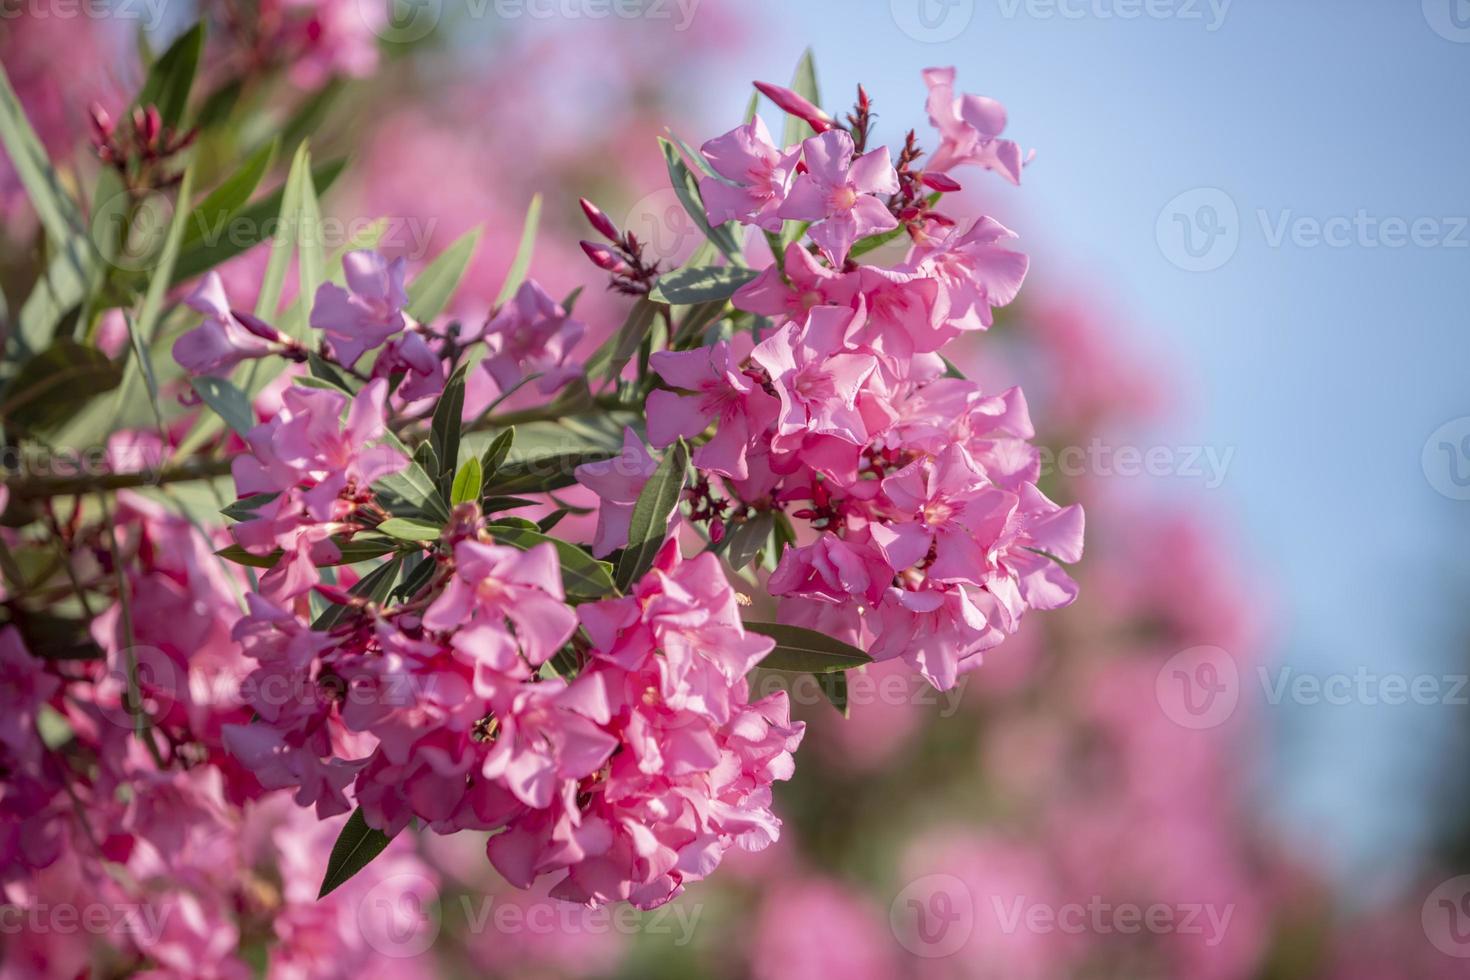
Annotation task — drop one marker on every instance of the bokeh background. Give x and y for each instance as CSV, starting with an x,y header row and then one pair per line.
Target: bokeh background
x,y
1241,754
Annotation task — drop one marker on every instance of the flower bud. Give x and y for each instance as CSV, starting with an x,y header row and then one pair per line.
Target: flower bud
x,y
599,221
797,106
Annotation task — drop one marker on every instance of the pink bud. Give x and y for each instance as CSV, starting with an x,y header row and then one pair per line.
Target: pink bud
x,y
605,258
101,122
797,106
716,530
941,182
599,221
256,325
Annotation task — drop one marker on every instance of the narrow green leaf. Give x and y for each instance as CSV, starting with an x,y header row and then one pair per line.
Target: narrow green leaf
x,y
248,227
408,529
435,286
686,187
650,521
172,76
805,650
686,287
288,225
609,360
355,848
228,402
466,483
865,245
445,430
834,686
245,508
746,541
494,455
376,586
58,213
541,474
804,84
310,249
522,263
144,363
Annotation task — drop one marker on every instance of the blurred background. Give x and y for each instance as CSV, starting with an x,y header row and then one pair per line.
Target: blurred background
x,y
1244,342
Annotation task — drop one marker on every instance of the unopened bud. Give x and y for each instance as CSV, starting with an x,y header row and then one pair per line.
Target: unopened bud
x,y
797,106
599,221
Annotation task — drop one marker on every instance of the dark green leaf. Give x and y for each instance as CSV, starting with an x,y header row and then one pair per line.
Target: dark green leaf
x,y
245,508
490,505
834,686
51,387
805,650
228,401
541,474
356,846
494,456
747,539
609,360
686,187
685,287
248,227
172,75
650,521
375,586
444,432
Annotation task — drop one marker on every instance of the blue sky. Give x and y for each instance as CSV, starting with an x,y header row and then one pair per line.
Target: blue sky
x,y
1325,348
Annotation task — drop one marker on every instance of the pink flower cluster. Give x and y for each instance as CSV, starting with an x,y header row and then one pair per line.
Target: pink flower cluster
x,y
928,538
627,780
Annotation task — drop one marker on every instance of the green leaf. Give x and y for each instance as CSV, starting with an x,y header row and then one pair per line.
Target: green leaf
x,y
58,213
445,429
53,386
288,227
144,367
541,474
834,686
686,187
807,650
375,586
491,505
804,84
245,508
311,251
432,290
466,483
247,228
147,325
609,360
522,262
359,549
650,521
408,529
582,576
356,846
865,245
494,455
686,287
413,486
228,402
747,540
172,76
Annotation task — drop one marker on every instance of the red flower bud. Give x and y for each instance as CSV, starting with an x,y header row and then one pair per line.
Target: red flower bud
x,y
599,221
941,182
605,258
797,106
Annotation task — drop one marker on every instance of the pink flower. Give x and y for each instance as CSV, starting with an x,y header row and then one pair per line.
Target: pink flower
x,y
719,391
307,446
969,129
549,733
818,383
757,176
836,193
494,583
793,288
617,483
224,338
368,312
532,336
975,273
